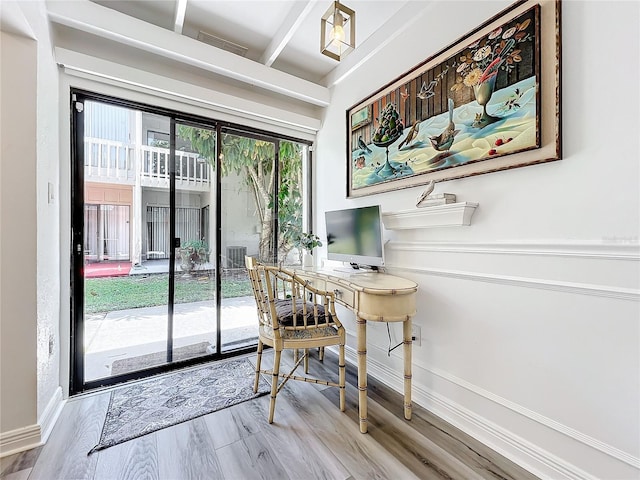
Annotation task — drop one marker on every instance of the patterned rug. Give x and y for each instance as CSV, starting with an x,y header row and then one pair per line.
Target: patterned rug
x,y
159,403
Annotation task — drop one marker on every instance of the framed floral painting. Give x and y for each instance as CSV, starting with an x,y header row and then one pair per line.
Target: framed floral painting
x,y
490,101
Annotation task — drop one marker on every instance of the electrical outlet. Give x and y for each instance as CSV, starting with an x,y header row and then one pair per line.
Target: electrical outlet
x,y
416,335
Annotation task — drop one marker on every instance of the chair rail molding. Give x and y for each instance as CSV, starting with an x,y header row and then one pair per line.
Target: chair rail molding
x,y
589,250
577,288
448,215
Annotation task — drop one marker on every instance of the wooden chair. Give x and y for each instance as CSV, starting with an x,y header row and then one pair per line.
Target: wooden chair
x,y
294,315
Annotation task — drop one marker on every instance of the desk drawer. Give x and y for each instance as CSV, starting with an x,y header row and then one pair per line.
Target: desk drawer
x,y
343,295
313,281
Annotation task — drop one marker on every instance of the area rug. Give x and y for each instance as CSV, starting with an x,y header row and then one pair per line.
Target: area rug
x,y
161,402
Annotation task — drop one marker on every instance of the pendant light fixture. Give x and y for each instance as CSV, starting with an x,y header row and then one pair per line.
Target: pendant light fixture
x,y
338,31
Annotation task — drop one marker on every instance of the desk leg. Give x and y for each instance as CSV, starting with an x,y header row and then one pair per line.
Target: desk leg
x,y
406,330
362,371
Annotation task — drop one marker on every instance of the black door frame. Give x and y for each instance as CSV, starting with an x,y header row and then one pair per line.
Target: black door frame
x,y
77,99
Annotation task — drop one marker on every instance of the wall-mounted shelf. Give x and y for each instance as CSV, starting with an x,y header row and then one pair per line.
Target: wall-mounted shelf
x,y
448,215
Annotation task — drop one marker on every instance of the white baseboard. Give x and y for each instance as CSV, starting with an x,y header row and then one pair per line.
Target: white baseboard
x,y
19,440
32,436
51,413
529,456
541,419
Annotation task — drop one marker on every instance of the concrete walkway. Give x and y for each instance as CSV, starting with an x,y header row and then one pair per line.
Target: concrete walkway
x,y
141,331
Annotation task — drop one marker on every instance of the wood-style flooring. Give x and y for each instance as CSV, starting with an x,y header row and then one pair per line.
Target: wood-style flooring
x,y
309,439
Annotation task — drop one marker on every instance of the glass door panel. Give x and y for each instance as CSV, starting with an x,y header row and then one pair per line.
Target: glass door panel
x,y
126,243
292,216
247,221
194,311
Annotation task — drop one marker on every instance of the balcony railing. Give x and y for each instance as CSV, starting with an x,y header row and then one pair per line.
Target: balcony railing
x,y
109,161
191,171
118,162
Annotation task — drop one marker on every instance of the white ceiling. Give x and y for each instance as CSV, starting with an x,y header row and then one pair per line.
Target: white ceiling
x,y
282,34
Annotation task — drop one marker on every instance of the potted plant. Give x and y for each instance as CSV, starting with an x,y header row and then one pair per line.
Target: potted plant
x,y
193,254
305,243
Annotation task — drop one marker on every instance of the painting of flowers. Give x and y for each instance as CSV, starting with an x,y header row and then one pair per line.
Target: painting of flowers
x,y
477,103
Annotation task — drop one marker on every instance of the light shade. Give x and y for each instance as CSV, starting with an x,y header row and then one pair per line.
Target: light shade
x,y
338,31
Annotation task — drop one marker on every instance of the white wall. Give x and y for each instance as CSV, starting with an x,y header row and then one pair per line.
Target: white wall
x,y
48,222
30,262
18,396
530,316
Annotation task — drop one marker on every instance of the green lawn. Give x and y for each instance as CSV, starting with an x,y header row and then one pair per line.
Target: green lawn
x,y
120,293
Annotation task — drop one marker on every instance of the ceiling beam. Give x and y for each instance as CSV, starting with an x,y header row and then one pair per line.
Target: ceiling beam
x,y
107,23
299,11
117,74
181,8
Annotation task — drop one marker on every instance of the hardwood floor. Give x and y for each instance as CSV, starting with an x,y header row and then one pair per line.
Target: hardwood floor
x,y
309,439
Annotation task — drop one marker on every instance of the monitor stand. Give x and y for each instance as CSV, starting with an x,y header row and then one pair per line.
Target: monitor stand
x,y
355,269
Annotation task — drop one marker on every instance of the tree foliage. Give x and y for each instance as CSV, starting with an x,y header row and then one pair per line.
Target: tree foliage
x,y
254,161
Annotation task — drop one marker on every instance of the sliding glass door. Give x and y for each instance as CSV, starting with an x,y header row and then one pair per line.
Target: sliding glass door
x,y
261,204
194,326
144,282
165,208
246,220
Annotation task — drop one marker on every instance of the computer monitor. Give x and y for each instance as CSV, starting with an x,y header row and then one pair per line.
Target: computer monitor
x,y
354,235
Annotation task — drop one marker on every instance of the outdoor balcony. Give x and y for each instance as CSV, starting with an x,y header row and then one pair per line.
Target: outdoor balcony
x,y
122,163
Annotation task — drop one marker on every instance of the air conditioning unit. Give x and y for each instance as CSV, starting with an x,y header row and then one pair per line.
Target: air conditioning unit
x,y
235,257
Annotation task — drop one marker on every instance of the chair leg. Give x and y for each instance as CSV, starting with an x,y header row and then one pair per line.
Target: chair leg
x,y
306,361
274,384
258,362
341,377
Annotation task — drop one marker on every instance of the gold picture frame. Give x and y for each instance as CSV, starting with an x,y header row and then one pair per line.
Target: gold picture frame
x,y
489,101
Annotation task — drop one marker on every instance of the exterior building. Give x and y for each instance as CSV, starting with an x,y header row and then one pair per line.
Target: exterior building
x,y
127,182
126,172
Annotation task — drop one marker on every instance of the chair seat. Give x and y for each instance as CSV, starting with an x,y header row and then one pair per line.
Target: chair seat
x,y
284,309
302,334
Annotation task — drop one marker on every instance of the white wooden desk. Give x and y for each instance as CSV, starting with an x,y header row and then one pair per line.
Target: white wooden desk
x,y
376,297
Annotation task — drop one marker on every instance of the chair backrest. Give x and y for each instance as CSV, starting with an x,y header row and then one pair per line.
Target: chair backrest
x,y
259,292
285,301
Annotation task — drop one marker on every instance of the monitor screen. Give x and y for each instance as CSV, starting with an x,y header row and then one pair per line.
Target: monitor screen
x,y
354,235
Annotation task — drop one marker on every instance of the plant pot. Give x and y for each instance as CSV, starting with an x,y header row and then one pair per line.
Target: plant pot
x,y
187,264
307,260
